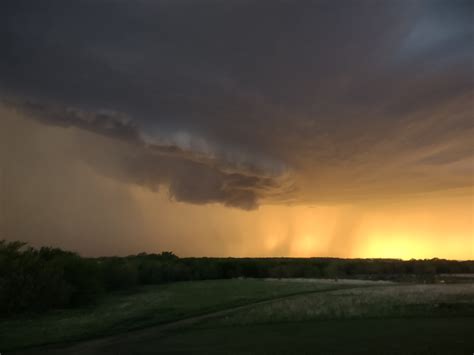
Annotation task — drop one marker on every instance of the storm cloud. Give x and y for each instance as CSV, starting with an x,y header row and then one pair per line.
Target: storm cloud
x,y
249,102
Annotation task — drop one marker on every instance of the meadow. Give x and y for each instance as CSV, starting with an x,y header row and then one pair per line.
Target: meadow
x,y
54,301
149,305
246,316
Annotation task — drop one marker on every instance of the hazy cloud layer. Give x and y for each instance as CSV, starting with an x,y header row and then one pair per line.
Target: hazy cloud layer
x,y
243,102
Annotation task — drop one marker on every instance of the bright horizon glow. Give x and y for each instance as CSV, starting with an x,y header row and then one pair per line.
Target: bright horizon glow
x,y
415,230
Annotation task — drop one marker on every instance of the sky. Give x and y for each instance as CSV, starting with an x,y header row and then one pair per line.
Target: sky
x,y
239,128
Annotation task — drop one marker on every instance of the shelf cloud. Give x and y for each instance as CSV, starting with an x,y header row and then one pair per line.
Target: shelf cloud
x,y
245,103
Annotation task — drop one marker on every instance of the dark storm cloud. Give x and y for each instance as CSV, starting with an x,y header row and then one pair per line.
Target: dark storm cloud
x,y
357,98
190,176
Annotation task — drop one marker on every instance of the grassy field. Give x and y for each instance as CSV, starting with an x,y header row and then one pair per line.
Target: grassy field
x,y
262,316
144,307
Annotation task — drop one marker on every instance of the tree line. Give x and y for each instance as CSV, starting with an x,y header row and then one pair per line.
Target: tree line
x,y
39,279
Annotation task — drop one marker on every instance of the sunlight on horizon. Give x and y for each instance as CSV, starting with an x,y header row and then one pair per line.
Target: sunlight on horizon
x,y
414,230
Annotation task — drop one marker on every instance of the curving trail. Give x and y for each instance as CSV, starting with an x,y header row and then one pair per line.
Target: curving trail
x,y
102,345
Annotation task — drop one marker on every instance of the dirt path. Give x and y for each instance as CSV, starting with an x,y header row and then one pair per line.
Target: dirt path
x,y
100,346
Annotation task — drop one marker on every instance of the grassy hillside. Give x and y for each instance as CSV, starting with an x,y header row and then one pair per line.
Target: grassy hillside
x,y
146,306
298,316
51,296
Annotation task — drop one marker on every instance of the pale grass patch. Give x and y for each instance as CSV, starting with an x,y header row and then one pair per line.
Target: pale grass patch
x,y
383,301
335,282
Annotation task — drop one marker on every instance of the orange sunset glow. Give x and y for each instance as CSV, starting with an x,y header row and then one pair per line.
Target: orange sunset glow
x,y
240,142
349,231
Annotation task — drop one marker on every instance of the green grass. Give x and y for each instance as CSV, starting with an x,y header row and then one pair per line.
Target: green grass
x,y
318,316
147,306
